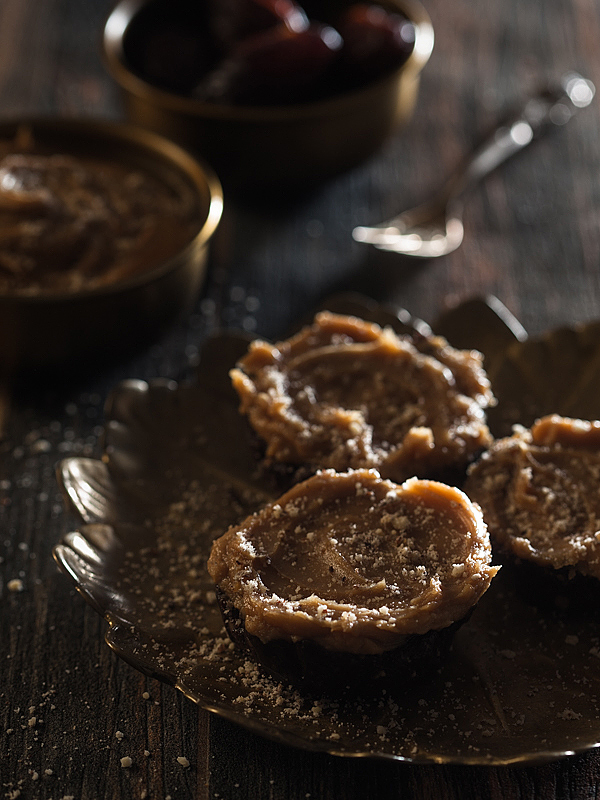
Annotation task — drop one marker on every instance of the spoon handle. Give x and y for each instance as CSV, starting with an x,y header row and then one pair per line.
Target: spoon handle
x,y
546,109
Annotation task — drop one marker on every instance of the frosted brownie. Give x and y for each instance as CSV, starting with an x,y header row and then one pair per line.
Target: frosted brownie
x,y
352,564
540,493
346,394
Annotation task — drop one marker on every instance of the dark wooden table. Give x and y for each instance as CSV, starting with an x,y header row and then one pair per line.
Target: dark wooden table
x,y
532,239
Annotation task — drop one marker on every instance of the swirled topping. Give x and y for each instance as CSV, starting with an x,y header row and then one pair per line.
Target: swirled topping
x,y
355,562
346,394
539,493
69,223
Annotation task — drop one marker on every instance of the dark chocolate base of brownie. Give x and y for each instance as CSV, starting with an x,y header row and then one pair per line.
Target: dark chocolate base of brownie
x,y
308,665
280,476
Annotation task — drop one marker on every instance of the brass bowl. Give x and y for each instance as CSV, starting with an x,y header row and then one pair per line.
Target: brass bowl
x,y
88,326
287,146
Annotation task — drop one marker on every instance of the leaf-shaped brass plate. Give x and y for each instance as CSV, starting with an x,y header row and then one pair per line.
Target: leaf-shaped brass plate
x,y
521,682
555,373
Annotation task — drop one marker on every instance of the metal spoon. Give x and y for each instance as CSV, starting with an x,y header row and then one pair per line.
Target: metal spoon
x,y
435,228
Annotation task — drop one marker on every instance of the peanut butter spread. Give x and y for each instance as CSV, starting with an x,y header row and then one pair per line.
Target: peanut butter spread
x,y
69,223
346,394
355,562
540,493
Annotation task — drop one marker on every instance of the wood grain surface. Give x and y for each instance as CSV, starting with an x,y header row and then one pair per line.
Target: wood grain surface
x,y
70,710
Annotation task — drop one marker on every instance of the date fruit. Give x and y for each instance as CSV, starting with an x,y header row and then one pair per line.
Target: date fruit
x,y
375,41
235,20
277,66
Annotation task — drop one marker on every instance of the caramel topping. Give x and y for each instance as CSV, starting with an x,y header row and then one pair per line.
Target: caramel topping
x,y
565,432
539,493
345,393
355,562
69,223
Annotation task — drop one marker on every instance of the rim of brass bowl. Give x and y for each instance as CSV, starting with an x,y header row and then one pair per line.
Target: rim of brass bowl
x,y
159,109
56,329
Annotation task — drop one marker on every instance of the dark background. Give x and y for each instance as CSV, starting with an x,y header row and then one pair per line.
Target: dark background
x,y
532,239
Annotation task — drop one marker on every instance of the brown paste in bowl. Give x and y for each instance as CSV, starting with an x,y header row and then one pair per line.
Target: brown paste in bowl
x,y
539,491
72,222
355,563
346,394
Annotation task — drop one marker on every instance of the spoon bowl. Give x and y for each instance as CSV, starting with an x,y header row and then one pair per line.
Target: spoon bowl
x,y
435,228
427,231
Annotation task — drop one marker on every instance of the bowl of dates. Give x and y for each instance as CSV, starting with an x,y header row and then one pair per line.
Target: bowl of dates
x,y
273,94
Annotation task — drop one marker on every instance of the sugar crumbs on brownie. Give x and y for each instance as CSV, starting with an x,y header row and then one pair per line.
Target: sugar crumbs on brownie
x,y
384,563
539,493
345,393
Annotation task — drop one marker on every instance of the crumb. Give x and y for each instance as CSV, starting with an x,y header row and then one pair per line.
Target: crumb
x,y
568,713
15,585
126,762
183,761
508,653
